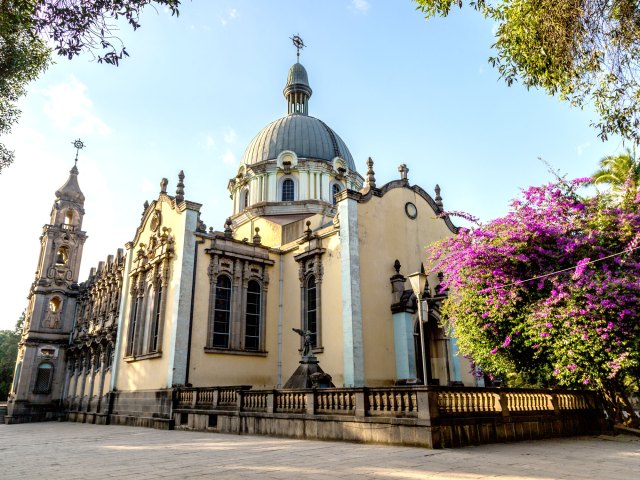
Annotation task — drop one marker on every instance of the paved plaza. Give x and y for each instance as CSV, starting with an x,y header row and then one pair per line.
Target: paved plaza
x,y
89,452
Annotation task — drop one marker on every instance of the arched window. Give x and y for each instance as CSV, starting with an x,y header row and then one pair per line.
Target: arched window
x,y
68,218
44,378
311,309
132,326
54,304
288,190
156,319
62,256
245,200
335,189
222,314
252,320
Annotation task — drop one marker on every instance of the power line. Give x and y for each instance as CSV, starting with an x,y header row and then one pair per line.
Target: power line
x,y
519,282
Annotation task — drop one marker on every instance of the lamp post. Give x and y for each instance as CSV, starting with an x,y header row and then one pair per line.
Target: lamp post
x,y
418,281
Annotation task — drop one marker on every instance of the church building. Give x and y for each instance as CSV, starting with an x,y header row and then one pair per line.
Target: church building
x,y
312,260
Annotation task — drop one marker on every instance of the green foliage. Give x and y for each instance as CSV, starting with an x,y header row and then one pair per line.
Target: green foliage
x,y
8,353
619,172
72,27
583,51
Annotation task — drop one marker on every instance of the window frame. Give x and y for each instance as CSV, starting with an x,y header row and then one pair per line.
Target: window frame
x,y
227,313
258,316
50,368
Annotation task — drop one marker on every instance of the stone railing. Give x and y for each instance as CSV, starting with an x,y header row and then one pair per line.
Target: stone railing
x,y
426,416
392,402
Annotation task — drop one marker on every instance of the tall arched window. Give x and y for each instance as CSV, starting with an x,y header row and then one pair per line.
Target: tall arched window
x,y
288,190
155,321
311,309
68,218
252,320
132,326
245,199
44,378
222,314
335,189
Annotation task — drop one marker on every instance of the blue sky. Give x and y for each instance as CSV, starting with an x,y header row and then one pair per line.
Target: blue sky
x,y
197,88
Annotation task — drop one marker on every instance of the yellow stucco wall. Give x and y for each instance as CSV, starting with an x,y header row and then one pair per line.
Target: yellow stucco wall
x,y
152,373
386,233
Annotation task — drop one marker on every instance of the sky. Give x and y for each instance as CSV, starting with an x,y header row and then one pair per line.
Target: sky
x,y
196,89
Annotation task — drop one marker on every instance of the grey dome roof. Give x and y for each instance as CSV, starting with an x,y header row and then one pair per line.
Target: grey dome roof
x,y
307,136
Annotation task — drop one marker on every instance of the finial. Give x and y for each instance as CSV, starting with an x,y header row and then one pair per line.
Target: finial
x,y
180,187
163,185
438,197
308,232
144,207
371,179
396,266
228,233
404,170
78,145
256,238
299,44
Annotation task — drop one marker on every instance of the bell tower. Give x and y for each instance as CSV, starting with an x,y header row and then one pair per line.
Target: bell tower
x,y
39,376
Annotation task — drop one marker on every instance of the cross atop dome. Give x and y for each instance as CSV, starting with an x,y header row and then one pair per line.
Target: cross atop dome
x,y
298,43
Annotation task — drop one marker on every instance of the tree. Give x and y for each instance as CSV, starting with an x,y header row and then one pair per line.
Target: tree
x,y
581,50
619,172
8,353
550,292
72,26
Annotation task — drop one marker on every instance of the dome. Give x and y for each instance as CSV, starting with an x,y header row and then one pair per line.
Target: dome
x,y
307,136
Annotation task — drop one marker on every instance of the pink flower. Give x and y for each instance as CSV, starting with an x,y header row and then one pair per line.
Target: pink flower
x,y
580,267
507,341
544,334
494,351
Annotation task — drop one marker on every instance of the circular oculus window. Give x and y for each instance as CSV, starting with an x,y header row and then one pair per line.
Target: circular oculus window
x,y
411,210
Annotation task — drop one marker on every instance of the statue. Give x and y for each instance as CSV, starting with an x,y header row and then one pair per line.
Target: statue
x,y
306,335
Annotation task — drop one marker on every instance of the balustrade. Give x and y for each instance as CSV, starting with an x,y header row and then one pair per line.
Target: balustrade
x,y
420,402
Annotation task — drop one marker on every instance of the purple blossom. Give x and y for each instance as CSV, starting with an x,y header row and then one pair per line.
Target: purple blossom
x,y
507,341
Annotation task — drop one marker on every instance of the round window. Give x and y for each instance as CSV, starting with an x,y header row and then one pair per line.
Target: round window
x,y
411,210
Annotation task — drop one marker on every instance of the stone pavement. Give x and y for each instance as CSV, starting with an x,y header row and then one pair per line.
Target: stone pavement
x,y
75,451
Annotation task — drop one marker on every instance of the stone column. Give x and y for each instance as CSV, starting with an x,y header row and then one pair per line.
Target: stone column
x,y
103,369
92,377
83,381
67,382
72,395
350,277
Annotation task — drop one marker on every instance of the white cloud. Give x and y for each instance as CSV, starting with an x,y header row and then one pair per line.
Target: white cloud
x,y
69,107
228,157
232,14
210,142
147,186
230,136
360,6
582,147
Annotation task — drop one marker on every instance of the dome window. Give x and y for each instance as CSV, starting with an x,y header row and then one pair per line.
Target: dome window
x,y
288,190
335,189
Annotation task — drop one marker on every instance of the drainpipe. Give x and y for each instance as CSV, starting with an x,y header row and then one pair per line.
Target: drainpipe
x,y
280,284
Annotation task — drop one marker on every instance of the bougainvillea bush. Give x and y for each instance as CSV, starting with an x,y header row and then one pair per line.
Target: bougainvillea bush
x,y
551,291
